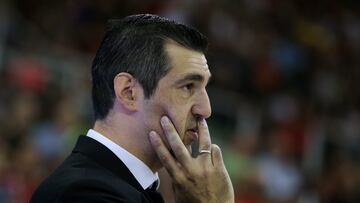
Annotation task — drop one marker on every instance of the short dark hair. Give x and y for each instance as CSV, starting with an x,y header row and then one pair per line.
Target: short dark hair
x,y
135,45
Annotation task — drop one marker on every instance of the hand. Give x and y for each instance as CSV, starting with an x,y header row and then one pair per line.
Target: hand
x,y
201,179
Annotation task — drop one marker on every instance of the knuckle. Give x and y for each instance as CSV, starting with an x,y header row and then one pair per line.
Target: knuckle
x,y
157,143
177,149
192,177
206,145
163,158
216,148
179,179
181,156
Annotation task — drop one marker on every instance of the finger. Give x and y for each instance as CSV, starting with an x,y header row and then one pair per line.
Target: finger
x,y
164,155
216,154
180,151
189,148
204,136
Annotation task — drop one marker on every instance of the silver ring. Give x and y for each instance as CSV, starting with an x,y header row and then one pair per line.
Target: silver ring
x,y
205,151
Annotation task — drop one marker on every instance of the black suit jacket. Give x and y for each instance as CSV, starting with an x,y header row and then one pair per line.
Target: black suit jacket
x,y
92,173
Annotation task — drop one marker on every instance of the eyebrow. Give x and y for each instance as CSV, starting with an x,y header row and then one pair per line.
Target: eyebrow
x,y
192,77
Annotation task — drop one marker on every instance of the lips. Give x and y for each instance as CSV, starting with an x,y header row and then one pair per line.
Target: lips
x,y
195,130
191,136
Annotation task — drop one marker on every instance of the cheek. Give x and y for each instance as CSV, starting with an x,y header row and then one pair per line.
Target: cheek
x,y
178,117
177,109
182,119
153,115
171,105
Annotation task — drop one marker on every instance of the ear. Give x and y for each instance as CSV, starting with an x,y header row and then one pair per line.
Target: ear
x,y
126,90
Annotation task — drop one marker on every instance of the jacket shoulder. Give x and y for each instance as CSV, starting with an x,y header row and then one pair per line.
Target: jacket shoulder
x,y
79,179
96,190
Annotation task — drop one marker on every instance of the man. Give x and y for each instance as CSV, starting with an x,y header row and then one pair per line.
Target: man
x,y
150,102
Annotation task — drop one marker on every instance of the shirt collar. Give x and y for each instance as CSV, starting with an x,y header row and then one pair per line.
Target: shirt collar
x,y
139,169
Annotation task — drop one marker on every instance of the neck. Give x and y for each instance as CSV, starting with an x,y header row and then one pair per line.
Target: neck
x,y
131,139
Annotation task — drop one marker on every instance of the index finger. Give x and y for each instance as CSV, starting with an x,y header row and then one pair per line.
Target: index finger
x,y
204,136
180,151
164,155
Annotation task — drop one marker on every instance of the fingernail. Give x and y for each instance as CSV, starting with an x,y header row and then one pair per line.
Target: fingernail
x,y
152,135
164,120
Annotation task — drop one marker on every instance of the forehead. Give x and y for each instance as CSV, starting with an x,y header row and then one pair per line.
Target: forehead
x,y
183,61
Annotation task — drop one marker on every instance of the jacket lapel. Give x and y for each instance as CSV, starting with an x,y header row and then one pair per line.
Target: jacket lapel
x,y
106,158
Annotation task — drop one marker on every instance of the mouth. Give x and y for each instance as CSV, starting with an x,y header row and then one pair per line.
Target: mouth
x,y
191,135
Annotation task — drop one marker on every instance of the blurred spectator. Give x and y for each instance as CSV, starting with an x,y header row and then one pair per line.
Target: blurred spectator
x,y
286,107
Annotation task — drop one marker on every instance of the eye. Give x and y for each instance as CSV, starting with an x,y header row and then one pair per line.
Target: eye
x,y
188,87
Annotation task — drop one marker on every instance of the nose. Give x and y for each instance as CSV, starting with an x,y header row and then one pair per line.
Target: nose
x,y
202,108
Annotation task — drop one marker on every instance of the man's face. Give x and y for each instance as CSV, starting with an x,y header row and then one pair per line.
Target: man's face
x,y
180,94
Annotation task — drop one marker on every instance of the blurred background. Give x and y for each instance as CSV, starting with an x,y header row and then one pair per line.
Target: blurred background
x,y
285,91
